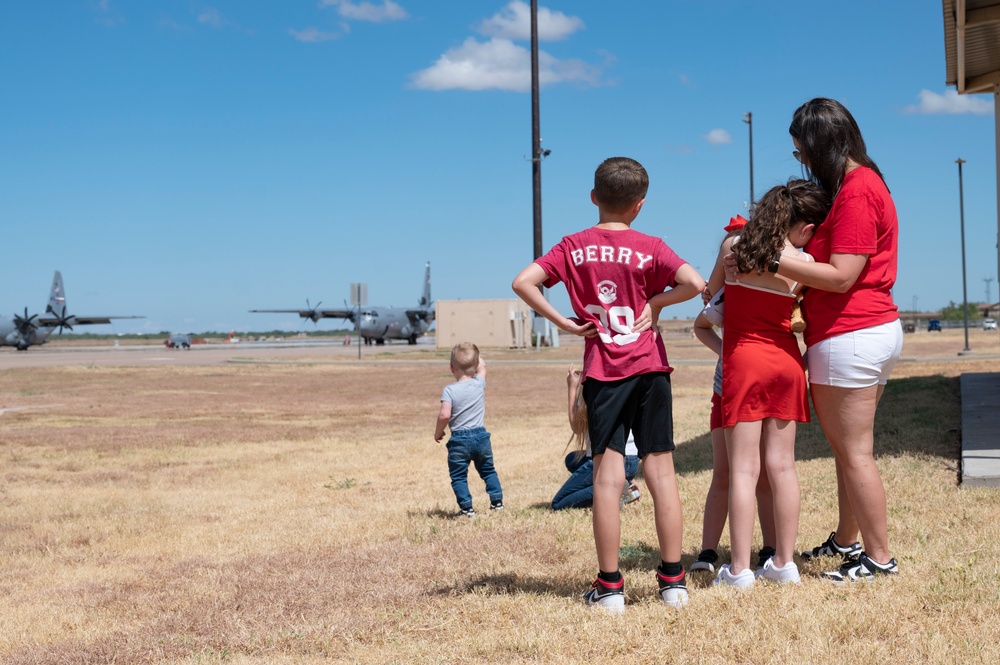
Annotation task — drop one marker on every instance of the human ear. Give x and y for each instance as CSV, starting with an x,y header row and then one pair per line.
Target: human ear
x,y
638,206
593,197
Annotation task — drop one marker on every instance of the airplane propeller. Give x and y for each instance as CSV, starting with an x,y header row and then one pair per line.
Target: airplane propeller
x,y
26,324
64,321
313,314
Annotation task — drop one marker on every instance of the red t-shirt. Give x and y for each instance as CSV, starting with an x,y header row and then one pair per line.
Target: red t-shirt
x,y
610,276
861,221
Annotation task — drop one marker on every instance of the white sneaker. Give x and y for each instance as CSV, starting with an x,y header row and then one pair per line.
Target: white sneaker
x,y
787,574
744,579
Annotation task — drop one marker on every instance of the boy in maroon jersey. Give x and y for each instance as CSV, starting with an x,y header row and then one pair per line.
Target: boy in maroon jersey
x,y
617,279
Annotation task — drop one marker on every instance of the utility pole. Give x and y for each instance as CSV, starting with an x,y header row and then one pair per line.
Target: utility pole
x,y
536,134
989,293
542,327
961,217
748,119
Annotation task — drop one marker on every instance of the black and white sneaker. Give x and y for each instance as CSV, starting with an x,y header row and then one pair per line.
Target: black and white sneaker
x,y
673,589
762,556
706,561
861,568
831,548
496,505
466,512
608,595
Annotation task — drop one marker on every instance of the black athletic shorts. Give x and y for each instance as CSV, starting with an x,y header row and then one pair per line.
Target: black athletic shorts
x,y
639,404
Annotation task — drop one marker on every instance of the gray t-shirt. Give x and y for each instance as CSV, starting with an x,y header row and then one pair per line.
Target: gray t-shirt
x,y
468,403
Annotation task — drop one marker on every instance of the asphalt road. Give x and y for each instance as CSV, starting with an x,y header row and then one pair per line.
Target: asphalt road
x,y
106,354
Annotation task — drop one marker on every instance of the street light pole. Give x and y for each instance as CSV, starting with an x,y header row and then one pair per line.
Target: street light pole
x,y
748,118
536,136
961,217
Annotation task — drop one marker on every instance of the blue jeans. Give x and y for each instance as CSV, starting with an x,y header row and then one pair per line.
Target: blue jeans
x,y
578,490
472,445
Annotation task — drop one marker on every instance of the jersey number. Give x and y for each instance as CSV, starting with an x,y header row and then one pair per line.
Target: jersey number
x,y
618,319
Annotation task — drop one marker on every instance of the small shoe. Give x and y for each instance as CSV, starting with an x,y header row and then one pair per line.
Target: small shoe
x,y
496,505
765,553
861,568
607,595
787,574
831,548
744,579
466,512
629,494
672,589
706,561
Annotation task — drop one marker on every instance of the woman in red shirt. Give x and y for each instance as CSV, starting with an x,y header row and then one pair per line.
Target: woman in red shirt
x,y
853,335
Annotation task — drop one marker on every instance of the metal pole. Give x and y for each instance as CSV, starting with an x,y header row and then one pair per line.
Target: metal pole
x,y
536,136
357,325
961,218
748,118
996,119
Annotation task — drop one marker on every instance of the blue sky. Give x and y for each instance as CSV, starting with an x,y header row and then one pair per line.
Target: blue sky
x,y
189,161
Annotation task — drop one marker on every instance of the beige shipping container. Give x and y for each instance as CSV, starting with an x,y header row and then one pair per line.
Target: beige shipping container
x,y
498,324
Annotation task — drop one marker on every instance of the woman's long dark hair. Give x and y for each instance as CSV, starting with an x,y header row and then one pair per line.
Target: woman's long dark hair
x,y
828,135
763,238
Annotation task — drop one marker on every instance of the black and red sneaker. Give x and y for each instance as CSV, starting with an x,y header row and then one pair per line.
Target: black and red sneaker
x,y
673,589
609,595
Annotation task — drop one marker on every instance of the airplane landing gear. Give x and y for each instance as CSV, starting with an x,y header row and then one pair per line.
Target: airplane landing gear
x,y
412,340
380,341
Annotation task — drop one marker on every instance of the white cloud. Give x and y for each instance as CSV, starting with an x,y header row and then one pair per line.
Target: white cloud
x,y
499,64
718,137
211,17
314,35
514,22
950,103
367,11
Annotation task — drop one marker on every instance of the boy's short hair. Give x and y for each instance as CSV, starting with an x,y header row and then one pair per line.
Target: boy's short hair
x,y
620,182
465,358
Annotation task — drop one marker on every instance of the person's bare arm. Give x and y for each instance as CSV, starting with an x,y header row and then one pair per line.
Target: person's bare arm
x,y
706,334
689,284
526,285
481,369
838,276
572,386
443,416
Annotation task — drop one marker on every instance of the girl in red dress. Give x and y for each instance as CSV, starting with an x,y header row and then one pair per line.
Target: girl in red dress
x,y
763,376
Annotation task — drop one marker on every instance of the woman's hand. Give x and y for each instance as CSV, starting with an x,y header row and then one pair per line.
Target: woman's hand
x,y
731,267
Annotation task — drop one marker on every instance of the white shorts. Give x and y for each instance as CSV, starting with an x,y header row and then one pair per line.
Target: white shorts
x,y
858,359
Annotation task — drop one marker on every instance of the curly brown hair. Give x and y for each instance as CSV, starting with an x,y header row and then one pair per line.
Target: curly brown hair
x,y
763,237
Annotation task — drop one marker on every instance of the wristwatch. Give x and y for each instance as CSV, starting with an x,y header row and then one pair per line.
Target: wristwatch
x,y
773,267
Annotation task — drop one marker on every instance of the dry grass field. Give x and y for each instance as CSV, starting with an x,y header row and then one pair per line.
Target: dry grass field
x,y
301,513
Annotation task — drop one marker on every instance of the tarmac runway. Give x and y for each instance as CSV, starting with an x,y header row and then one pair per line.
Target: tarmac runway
x,y
148,355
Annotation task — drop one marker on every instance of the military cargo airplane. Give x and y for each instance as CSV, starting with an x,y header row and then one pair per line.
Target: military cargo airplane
x,y
25,331
376,323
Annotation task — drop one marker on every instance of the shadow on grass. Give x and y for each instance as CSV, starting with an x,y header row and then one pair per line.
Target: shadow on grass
x,y
917,415
637,559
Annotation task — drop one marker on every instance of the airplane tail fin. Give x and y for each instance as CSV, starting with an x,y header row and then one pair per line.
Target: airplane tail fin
x,y
425,300
57,297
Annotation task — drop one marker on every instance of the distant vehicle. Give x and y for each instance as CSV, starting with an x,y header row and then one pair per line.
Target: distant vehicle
x,y
25,331
933,325
178,341
377,323
989,324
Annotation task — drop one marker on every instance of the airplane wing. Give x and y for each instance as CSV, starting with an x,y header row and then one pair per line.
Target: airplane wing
x,y
314,314
74,320
420,314
348,314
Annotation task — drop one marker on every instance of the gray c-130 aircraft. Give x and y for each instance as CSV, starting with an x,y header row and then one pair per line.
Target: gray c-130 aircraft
x,y
376,323
30,330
